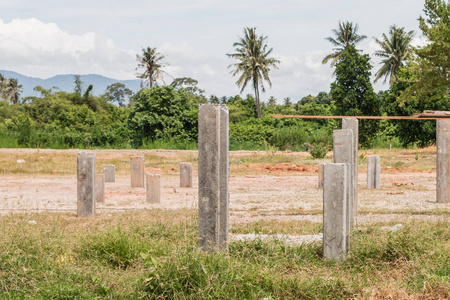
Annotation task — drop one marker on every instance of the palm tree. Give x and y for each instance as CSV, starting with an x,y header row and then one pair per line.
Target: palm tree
x,y
151,62
345,36
3,82
11,90
395,49
254,63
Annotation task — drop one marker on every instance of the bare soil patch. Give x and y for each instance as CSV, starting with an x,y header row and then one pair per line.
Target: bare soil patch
x,y
270,186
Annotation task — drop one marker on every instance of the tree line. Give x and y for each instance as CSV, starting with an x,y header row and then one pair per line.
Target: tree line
x,y
165,115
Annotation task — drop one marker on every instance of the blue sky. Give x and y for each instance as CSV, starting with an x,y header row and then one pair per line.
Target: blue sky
x,y
50,37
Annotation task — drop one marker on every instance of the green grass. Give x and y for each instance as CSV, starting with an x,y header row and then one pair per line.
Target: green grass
x,y
153,255
245,145
384,142
7,141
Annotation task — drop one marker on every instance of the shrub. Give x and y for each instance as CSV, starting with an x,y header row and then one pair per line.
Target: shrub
x,y
318,151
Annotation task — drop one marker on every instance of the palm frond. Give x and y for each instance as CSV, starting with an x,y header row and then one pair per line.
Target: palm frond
x,y
346,35
150,61
396,50
254,62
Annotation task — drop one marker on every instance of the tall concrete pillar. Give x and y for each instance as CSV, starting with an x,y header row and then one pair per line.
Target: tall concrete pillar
x,y
224,174
442,161
85,184
373,172
100,188
137,171
185,175
343,145
335,198
212,176
353,124
320,176
110,173
153,188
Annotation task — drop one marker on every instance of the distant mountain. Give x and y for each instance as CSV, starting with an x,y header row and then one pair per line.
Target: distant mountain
x,y
66,83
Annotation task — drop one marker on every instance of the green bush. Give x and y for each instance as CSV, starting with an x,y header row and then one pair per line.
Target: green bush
x,y
292,138
163,113
318,151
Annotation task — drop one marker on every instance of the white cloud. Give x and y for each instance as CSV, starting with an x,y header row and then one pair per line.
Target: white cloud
x,y
420,41
34,48
300,75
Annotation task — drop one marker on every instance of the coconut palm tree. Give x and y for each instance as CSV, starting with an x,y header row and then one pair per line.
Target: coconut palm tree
x,y
11,90
395,50
254,63
150,60
344,36
3,82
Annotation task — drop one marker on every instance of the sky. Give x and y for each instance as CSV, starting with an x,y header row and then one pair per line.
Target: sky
x,y
51,37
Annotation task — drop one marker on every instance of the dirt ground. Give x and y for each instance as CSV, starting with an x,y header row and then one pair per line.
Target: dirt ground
x,y
259,188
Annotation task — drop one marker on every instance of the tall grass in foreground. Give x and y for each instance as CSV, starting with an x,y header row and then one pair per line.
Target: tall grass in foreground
x,y
153,255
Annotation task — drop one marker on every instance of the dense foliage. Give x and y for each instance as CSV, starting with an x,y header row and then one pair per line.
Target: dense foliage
x,y
168,114
353,93
432,65
164,113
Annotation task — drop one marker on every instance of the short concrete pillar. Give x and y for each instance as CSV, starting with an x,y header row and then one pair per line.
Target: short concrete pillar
x,y
100,188
343,153
185,175
110,173
335,224
373,172
137,171
213,177
320,176
85,184
353,124
442,161
153,188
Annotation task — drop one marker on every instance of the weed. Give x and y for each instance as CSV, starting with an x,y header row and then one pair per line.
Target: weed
x,y
318,151
118,248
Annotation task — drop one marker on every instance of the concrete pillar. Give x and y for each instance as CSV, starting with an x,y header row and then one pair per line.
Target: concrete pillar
x,y
353,124
442,161
100,188
153,188
185,175
137,171
224,174
335,198
343,153
320,176
85,184
212,176
373,172
110,173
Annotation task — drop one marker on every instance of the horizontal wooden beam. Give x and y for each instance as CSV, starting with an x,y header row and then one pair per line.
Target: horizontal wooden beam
x,y
366,117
